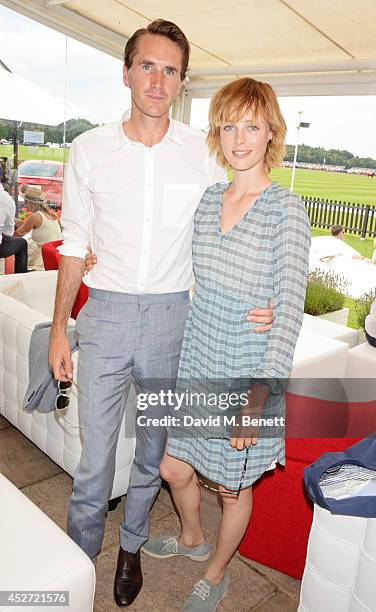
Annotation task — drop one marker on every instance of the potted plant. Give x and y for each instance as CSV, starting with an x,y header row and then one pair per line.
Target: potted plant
x,y
325,296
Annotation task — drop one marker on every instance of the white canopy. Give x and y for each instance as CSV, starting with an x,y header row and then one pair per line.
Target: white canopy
x,y
21,100
301,47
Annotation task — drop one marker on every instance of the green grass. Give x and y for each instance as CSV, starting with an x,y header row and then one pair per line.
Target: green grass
x,y
326,185
329,185
350,304
35,153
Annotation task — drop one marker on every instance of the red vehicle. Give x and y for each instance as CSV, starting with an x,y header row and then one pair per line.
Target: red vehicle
x,y
46,175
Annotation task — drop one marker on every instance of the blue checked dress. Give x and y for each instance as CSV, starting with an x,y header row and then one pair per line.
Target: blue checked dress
x,y
265,255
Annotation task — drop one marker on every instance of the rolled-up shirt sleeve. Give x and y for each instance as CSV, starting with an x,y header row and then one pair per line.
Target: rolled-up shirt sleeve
x,y
75,218
291,261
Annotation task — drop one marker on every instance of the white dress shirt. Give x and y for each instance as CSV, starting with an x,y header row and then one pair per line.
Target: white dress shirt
x,y
7,212
135,205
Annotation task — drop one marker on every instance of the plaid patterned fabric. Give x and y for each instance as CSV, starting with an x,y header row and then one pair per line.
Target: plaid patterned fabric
x,y
264,256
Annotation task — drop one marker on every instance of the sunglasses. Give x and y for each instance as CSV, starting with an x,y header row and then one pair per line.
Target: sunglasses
x,y
63,389
62,399
229,493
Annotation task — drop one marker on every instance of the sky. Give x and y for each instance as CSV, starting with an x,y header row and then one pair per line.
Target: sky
x,y
95,88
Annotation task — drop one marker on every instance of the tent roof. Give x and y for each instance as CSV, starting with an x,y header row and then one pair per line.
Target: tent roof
x,y
302,47
21,100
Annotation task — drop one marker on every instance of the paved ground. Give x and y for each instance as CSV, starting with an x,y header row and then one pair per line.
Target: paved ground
x,y
166,583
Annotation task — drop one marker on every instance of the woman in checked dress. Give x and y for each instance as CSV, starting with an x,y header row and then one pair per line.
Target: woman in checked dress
x,y
251,243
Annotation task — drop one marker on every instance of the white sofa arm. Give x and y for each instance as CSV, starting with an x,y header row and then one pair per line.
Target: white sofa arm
x,y
36,555
53,434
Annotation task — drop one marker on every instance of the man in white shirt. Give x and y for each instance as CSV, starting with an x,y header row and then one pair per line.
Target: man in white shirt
x,y
9,244
131,190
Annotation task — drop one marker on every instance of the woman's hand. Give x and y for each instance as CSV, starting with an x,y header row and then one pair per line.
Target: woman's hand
x,y
246,431
90,259
241,443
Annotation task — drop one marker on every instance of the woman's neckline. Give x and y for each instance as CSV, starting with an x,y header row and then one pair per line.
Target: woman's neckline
x,y
225,187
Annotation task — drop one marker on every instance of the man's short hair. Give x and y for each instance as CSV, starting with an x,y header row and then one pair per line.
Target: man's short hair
x,y
247,97
161,27
336,229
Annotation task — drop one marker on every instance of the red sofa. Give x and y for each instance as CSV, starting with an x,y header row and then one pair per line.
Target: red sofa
x,y
51,260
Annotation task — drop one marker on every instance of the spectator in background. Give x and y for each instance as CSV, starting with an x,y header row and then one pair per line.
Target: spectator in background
x,y
42,222
9,244
13,178
338,231
5,167
370,325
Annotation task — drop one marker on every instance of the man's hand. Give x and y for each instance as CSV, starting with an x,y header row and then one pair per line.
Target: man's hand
x,y
264,316
59,356
90,259
71,270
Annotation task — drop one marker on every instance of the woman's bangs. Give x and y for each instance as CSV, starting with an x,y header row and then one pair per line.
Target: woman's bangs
x,y
238,109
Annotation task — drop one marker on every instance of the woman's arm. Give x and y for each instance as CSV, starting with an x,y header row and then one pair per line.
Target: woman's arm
x,y
291,260
33,221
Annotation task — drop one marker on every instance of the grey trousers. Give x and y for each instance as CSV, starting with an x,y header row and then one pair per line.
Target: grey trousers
x,y
122,336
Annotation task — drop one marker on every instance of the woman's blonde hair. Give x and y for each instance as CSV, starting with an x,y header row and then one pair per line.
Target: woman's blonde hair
x,y
38,201
251,98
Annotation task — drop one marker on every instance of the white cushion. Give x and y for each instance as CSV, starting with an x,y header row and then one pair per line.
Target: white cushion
x,y
37,555
17,292
319,365
362,361
340,568
328,329
40,288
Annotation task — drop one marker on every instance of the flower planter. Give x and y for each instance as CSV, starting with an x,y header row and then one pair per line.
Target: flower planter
x,y
338,316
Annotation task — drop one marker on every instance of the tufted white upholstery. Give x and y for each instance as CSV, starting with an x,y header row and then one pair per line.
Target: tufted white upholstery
x,y
341,565
37,555
51,433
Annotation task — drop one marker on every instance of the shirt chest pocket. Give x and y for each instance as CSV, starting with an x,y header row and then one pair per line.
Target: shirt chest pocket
x,y
180,201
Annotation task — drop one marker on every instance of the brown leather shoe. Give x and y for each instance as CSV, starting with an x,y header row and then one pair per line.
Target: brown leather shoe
x,y
128,578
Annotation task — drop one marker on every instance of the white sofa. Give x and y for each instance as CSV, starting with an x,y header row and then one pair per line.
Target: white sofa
x,y
328,329
319,363
51,433
36,555
340,570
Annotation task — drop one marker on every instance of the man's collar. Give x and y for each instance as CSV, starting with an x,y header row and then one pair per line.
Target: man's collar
x,y
121,140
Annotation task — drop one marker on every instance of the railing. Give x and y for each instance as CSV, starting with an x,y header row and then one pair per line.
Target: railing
x,y
356,218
